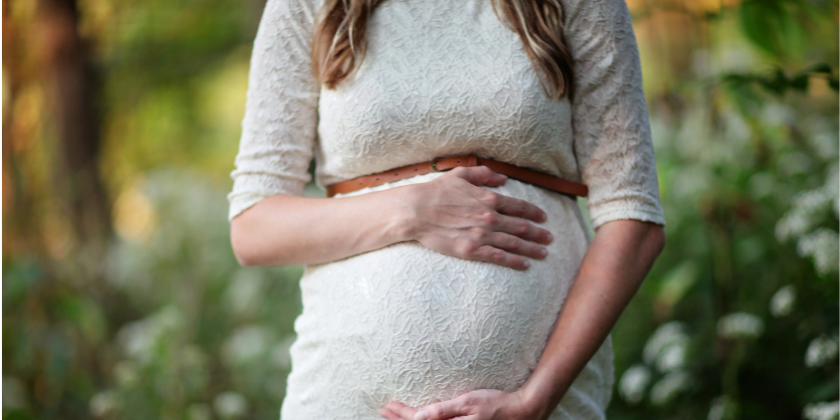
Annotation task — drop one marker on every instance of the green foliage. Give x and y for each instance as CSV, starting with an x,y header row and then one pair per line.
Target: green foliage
x,y
185,330
738,318
778,83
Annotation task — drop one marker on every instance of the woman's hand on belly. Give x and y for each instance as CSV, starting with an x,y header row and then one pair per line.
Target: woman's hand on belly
x,y
453,215
484,404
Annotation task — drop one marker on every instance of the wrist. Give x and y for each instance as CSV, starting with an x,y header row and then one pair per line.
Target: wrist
x,y
532,408
538,403
399,213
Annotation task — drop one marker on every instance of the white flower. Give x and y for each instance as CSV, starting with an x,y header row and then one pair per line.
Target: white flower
x,y
825,144
668,334
138,338
633,383
669,387
804,214
104,403
822,411
778,114
808,210
823,245
672,357
230,405
740,325
717,410
246,343
781,304
822,350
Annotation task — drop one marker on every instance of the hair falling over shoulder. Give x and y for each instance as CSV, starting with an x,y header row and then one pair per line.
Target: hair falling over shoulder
x,y
339,41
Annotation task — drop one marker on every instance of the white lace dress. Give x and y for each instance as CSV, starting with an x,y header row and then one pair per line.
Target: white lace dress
x,y
443,77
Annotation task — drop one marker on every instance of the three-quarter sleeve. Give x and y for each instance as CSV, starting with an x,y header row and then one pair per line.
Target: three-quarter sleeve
x,y
281,116
612,139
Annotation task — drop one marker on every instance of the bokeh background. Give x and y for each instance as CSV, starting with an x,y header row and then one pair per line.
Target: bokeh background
x,y
122,298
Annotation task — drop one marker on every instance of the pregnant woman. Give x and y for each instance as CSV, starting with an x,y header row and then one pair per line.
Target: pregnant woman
x,y
464,293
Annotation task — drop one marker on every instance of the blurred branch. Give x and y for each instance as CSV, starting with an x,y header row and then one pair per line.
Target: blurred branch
x,y
777,82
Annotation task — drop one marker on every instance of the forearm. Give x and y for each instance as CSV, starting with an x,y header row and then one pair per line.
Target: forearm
x,y
286,230
616,263
450,214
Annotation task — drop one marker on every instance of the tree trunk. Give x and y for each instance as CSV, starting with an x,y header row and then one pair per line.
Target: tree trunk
x,y
73,83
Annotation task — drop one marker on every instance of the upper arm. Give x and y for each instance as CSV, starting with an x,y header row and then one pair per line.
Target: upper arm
x,y
612,138
279,128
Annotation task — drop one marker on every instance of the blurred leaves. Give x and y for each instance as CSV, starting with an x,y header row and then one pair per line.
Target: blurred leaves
x,y
775,26
747,159
778,83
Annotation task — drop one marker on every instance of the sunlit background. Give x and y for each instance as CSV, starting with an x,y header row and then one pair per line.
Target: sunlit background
x,y
122,298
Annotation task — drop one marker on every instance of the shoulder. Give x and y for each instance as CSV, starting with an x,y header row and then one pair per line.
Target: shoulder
x,y
579,12
301,11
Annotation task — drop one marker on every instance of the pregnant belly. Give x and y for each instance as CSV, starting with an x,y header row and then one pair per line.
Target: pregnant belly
x,y
409,324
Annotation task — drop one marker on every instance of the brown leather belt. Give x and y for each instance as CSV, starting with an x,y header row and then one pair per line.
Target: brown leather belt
x,y
441,164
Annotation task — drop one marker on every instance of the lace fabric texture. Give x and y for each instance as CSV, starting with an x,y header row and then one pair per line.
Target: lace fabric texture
x,y
404,323
441,78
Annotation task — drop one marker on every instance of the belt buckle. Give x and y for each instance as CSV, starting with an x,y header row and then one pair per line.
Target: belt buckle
x,y
433,164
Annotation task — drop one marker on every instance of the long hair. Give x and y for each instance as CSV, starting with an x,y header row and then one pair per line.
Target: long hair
x,y
339,41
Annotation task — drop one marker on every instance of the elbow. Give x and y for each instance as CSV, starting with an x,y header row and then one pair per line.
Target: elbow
x,y
245,260
240,244
242,257
655,240
254,242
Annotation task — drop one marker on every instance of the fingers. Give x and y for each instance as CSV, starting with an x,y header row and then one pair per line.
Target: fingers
x,y
480,175
397,411
522,229
505,249
439,411
388,414
491,227
495,255
444,410
518,208
516,245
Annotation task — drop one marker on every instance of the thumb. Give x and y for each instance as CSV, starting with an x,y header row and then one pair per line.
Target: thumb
x,y
480,175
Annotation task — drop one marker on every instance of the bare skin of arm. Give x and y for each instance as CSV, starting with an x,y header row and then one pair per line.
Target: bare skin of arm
x,y
450,214
616,263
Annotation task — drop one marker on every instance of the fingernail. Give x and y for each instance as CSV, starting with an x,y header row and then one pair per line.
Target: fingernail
x,y
421,415
549,237
525,264
543,252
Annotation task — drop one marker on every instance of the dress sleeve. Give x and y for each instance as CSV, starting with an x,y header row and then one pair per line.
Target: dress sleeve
x,y
281,116
612,139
